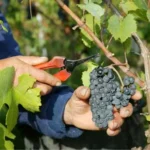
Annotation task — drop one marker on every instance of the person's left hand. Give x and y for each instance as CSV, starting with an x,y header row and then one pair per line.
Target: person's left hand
x,y
78,112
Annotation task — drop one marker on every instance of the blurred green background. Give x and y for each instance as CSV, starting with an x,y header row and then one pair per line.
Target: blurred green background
x,y
46,30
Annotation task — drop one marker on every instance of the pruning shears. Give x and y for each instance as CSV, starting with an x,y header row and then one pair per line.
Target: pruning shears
x,y
65,65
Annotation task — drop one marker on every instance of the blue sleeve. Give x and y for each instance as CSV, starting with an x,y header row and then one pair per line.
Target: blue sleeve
x,y
8,46
49,121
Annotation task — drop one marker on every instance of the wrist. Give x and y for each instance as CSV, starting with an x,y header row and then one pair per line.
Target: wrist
x,y
67,115
2,64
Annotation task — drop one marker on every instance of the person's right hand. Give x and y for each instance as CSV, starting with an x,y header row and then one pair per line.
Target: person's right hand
x,y
78,112
24,64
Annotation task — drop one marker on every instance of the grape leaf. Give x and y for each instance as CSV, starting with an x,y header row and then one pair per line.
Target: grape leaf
x,y
141,4
23,94
12,115
119,27
148,14
7,132
128,6
9,145
140,15
96,1
94,9
91,22
3,112
2,138
147,117
26,95
86,74
3,143
6,81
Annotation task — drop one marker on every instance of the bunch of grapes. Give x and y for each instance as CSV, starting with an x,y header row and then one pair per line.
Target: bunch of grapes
x,y
106,93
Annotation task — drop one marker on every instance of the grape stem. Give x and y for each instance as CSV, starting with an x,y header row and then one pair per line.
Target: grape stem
x,y
122,85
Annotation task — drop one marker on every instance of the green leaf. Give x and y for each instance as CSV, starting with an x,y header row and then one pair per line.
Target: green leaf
x,y
128,6
86,74
3,27
2,138
140,15
96,1
94,9
141,4
92,23
148,14
7,132
119,27
23,94
3,112
5,144
26,95
147,117
127,45
6,82
142,75
12,115
9,145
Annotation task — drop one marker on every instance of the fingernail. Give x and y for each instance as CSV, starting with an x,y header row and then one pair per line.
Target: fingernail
x,y
115,124
83,91
58,83
127,113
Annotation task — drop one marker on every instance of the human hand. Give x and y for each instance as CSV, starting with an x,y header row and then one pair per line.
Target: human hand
x,y
78,112
24,64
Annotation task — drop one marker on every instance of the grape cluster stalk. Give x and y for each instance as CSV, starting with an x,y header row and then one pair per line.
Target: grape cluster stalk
x,y
107,93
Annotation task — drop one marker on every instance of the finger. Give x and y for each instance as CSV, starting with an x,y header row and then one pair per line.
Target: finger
x,y
116,122
43,76
82,92
113,132
126,111
137,96
45,89
33,60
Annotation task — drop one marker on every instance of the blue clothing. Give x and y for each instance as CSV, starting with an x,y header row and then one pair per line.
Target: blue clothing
x,y
49,121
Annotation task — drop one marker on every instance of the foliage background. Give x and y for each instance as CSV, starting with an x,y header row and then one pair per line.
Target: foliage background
x,y
49,33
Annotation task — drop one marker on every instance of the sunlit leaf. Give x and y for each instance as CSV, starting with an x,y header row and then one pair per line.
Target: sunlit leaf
x,y
119,27
128,6
91,22
6,81
26,95
86,74
141,4
9,145
2,138
147,117
94,9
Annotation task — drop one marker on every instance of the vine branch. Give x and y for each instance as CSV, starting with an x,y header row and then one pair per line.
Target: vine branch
x,y
144,52
108,54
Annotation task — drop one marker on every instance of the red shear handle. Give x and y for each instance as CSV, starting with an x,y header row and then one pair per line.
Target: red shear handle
x,y
56,62
63,75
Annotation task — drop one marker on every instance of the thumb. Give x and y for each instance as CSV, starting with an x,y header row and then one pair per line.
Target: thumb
x,y
33,60
82,92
